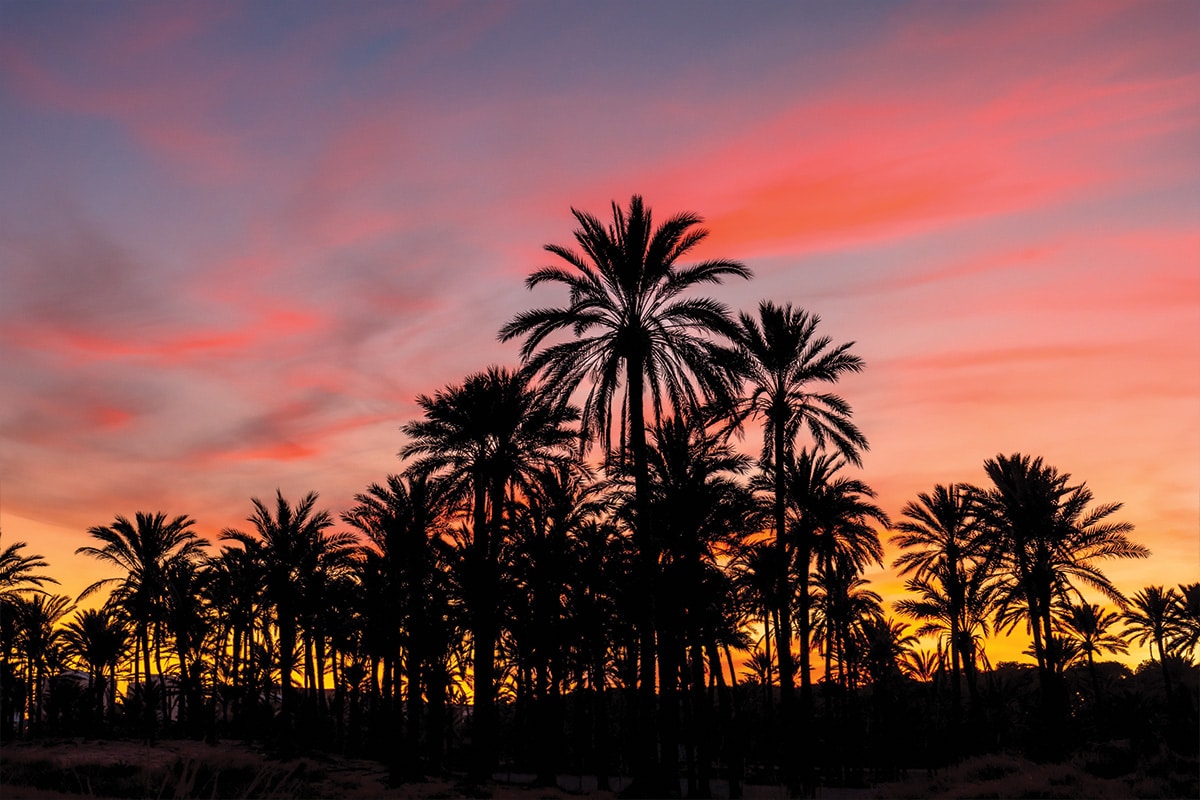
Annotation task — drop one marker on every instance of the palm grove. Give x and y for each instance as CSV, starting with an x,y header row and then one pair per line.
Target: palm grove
x,y
578,570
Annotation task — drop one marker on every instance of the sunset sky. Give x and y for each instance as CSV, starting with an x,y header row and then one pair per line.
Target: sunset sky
x,y
238,239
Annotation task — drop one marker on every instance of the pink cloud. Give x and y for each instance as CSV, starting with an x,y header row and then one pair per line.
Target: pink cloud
x,y
78,346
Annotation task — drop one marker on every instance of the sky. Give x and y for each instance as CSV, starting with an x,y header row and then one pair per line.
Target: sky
x,y
237,239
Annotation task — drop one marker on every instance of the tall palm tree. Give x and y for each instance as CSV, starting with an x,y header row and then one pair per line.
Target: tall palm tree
x,y
234,592
1089,627
941,548
634,336
98,638
187,617
842,604
145,549
1042,535
402,519
1187,620
831,517
960,627
492,433
19,577
284,538
325,566
1150,618
598,599
786,365
704,512
40,639
563,500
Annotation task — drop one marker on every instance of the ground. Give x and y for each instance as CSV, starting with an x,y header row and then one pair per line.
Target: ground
x,y
62,769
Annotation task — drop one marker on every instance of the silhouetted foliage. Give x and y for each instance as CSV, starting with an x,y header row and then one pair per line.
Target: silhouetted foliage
x,y
504,602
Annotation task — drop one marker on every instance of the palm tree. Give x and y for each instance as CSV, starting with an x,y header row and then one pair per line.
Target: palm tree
x,y
598,593
39,638
98,638
755,568
704,513
1041,535
923,665
18,579
284,538
961,627
1187,619
402,519
492,433
18,574
1088,626
145,549
633,335
187,618
939,537
563,500
325,566
888,645
842,605
785,362
1151,618
234,592
830,518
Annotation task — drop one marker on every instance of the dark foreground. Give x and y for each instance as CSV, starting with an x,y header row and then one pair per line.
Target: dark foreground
x,y
73,768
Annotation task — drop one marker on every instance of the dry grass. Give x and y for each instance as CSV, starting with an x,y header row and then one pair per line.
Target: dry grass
x,y
185,769
1095,774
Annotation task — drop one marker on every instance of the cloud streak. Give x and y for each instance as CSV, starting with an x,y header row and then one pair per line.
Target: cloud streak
x,y
236,244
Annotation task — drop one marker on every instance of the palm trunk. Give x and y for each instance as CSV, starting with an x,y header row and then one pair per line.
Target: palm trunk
x,y
701,720
730,739
804,556
287,663
600,738
783,631
162,678
653,780
486,548
1162,660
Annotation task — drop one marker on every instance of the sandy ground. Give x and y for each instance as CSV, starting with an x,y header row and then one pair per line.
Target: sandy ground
x,y
175,769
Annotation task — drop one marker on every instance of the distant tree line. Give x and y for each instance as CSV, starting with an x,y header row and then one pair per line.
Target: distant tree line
x,y
576,570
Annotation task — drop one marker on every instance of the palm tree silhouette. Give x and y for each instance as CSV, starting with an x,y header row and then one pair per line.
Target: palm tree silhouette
x,y
18,579
402,519
1041,535
99,639
830,518
633,330
1150,618
18,572
703,513
598,607
187,618
1187,618
1088,626
784,360
561,502
145,548
493,432
285,539
234,591
842,605
961,626
40,638
325,567
939,535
